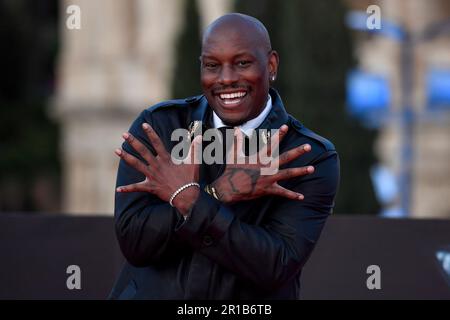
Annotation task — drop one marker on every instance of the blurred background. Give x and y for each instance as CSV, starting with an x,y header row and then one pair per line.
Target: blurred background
x,y
375,82
371,76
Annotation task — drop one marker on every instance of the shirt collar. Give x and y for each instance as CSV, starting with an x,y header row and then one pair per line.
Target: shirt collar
x,y
250,125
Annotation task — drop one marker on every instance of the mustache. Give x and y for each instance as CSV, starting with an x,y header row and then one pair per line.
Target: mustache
x,y
225,88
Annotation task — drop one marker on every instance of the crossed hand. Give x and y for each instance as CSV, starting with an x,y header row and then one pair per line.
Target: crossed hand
x,y
240,180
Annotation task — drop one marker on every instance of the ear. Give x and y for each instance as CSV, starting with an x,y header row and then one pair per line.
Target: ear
x,y
274,61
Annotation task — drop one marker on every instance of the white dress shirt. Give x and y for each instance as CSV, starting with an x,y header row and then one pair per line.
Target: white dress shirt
x,y
250,125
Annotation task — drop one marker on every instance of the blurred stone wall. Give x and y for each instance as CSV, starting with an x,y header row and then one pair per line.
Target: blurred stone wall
x,y
118,63
431,133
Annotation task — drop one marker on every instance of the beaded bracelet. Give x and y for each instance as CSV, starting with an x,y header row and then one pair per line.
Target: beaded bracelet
x,y
181,189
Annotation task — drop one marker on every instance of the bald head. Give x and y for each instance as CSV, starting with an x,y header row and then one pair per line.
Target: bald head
x,y
239,24
237,67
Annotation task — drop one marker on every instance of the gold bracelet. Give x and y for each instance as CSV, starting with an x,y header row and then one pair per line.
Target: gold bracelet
x,y
207,190
212,191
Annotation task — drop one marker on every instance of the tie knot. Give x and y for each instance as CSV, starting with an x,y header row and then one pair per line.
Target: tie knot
x,y
224,131
225,128
227,138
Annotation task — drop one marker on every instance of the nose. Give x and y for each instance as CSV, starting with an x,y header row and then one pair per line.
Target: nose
x,y
228,75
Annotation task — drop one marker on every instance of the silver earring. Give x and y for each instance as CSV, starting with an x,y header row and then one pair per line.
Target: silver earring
x,y
272,78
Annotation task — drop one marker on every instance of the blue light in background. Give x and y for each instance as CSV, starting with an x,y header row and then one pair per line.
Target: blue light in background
x,y
387,191
368,96
438,89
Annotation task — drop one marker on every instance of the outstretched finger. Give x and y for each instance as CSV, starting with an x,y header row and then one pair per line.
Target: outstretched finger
x,y
139,147
132,161
135,187
294,153
156,141
278,137
236,148
286,193
292,173
239,134
275,140
195,151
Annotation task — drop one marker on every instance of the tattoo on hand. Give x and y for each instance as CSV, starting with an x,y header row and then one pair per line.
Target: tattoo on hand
x,y
253,174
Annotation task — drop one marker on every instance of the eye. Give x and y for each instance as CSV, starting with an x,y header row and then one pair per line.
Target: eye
x,y
210,65
244,63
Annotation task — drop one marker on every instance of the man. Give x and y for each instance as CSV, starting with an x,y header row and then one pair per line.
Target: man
x,y
222,231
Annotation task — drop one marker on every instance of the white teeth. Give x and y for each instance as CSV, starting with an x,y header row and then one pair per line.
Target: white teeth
x,y
232,95
232,101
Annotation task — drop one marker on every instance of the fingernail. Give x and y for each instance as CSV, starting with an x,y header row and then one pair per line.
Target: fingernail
x,y
307,147
310,169
146,126
301,197
119,190
125,135
118,152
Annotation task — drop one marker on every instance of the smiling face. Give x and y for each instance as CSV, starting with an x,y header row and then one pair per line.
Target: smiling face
x,y
236,66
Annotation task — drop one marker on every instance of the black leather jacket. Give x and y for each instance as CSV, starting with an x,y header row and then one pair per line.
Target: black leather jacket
x,y
248,250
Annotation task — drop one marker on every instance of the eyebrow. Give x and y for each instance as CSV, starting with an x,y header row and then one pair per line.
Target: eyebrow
x,y
239,54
